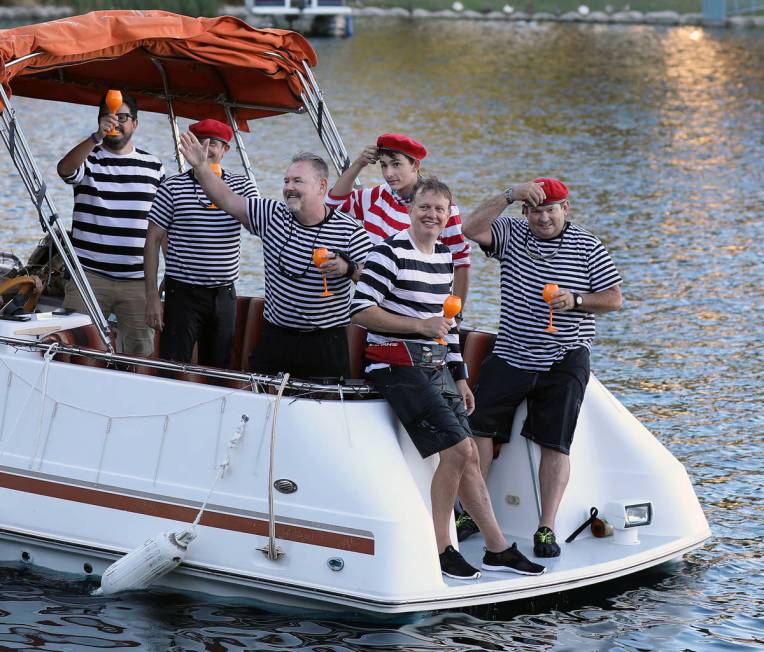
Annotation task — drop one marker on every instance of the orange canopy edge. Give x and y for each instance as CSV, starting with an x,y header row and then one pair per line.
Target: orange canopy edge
x,y
205,61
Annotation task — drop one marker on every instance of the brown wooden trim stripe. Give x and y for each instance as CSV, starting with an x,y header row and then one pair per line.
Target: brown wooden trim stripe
x,y
161,509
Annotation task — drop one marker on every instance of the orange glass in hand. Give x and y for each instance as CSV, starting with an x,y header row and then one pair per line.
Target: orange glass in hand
x,y
550,289
114,102
320,256
215,167
452,306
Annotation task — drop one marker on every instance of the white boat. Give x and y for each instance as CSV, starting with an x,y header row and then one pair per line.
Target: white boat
x,y
324,503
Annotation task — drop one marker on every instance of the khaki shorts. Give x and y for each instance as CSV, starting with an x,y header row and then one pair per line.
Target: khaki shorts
x,y
126,298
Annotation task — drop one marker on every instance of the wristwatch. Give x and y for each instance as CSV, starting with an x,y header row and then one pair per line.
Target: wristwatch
x,y
352,265
578,300
95,139
508,196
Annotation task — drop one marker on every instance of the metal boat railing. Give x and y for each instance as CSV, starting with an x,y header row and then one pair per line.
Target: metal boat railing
x,y
322,120
296,388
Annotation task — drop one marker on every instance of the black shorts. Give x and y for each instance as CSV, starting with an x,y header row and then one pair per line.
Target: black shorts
x,y
554,399
428,404
321,353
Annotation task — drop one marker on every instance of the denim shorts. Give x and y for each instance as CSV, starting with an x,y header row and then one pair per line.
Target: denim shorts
x,y
428,404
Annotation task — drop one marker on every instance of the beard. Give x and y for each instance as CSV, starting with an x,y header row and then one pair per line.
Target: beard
x,y
116,142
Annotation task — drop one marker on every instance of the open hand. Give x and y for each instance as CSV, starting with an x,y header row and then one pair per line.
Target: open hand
x,y
194,151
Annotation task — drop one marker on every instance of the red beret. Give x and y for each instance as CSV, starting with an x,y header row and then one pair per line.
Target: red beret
x,y
402,144
211,129
556,191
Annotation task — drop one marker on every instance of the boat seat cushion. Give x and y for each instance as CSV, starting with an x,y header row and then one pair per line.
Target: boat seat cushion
x,y
477,346
82,336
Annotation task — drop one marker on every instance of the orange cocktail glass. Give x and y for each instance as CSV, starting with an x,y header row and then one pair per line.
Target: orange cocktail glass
x,y
215,167
550,289
113,101
320,256
452,306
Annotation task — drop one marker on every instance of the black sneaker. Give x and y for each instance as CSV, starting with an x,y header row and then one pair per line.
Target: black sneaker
x,y
511,560
452,564
545,543
465,526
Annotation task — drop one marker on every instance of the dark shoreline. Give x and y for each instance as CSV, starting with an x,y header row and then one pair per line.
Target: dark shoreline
x,y
37,13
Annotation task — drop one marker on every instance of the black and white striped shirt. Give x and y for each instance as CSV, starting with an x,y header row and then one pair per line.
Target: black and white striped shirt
x,y
293,284
575,260
112,197
203,243
404,281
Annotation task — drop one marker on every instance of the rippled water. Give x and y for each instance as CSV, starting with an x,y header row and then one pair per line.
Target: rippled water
x,y
660,137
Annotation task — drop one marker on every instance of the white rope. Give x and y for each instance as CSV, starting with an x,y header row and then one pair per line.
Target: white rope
x,y
220,429
47,357
273,552
5,404
345,416
47,436
223,466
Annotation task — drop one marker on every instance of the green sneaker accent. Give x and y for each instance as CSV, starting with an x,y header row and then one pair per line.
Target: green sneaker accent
x,y
545,543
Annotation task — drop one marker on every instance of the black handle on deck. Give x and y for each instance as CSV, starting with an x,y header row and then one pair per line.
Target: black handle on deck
x,y
592,515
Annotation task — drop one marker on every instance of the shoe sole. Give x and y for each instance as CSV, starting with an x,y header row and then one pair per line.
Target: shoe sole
x,y
462,577
508,569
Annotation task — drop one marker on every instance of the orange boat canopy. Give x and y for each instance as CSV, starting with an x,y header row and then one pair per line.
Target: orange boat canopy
x,y
205,61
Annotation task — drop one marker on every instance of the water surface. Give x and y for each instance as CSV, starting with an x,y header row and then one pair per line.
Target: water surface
x,y
659,135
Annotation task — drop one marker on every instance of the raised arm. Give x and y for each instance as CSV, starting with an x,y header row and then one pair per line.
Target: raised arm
x,y
344,185
477,225
76,156
217,190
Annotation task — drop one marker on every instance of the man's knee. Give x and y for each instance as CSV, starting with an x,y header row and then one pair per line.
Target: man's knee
x,y
460,455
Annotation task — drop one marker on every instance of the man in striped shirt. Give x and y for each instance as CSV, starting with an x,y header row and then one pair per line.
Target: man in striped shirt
x,y
399,298
304,332
550,369
202,259
114,185
384,209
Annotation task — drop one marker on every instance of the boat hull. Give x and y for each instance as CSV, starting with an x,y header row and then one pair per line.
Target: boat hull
x,y
95,461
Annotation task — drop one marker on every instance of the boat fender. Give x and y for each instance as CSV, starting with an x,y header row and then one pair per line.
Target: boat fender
x,y
146,564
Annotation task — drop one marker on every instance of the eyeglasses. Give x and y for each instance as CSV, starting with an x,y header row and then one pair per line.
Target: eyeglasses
x,y
121,117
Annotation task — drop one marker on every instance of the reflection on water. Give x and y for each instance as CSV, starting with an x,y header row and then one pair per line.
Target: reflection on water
x,y
659,137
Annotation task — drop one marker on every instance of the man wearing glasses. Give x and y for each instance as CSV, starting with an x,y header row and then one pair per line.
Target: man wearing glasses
x,y
114,184
550,369
202,259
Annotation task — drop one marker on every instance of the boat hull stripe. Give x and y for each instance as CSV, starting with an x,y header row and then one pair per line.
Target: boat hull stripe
x,y
161,509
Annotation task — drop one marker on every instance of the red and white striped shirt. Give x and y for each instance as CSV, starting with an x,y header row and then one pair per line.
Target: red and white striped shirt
x,y
385,213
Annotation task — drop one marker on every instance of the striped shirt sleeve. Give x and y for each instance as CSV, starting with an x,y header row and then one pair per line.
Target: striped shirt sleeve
x,y
163,207
351,204
602,271
377,279
454,239
501,231
260,211
359,245
75,177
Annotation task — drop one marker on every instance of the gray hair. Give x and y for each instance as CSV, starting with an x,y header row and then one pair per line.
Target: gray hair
x,y
318,163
